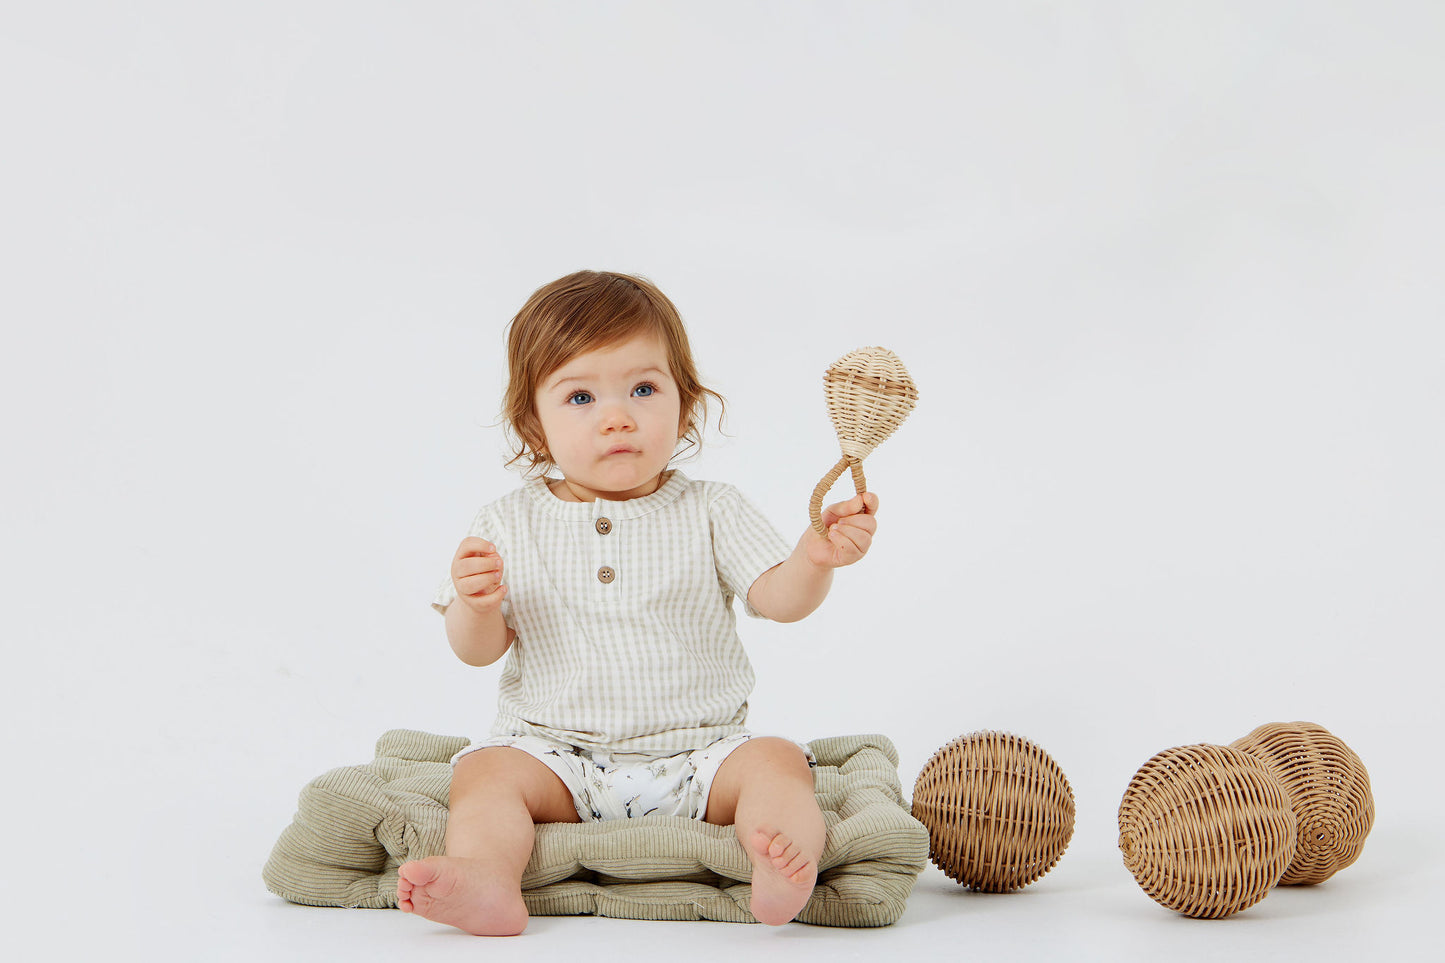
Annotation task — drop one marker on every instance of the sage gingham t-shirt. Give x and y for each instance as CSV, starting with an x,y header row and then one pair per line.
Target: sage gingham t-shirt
x,y
626,633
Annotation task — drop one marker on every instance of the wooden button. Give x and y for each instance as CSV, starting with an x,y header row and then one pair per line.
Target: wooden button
x,y
603,526
605,575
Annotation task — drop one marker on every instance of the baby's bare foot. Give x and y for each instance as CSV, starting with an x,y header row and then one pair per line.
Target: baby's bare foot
x,y
783,877
464,893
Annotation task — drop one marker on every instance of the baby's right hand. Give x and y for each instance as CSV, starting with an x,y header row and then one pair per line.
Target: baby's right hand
x,y
477,575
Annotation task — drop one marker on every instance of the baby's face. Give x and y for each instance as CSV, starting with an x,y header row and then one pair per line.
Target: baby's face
x,y
611,419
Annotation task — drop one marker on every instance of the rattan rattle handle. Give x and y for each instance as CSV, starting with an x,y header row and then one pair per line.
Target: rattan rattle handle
x,y
815,506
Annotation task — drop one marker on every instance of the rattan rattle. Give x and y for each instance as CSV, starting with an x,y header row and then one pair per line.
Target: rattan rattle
x,y
999,811
869,393
1328,789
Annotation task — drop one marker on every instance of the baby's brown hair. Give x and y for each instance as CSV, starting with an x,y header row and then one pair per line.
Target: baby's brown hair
x,y
582,312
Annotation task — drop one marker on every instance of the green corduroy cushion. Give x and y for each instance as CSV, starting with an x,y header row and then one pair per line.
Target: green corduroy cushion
x,y
355,825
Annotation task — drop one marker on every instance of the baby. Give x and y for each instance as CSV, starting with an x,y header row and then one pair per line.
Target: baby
x,y
609,586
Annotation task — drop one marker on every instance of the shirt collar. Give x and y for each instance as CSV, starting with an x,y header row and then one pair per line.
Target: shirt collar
x,y
673,487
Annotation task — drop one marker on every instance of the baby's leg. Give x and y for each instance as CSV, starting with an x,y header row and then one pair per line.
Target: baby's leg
x,y
497,796
765,789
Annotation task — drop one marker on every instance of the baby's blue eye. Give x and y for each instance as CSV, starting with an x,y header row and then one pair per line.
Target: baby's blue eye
x,y
579,398
644,390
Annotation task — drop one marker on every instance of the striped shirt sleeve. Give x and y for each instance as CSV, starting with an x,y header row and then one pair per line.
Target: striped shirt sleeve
x,y
745,543
446,592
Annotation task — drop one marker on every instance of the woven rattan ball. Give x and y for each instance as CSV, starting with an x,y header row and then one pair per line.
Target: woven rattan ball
x,y
1328,789
1206,830
998,809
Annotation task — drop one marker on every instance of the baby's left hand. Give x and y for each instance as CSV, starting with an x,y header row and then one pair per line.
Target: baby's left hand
x,y
850,526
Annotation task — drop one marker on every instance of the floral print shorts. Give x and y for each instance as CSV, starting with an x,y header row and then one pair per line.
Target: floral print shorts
x,y
627,785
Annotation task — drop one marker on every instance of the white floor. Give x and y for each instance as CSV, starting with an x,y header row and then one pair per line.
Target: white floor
x,y
1086,909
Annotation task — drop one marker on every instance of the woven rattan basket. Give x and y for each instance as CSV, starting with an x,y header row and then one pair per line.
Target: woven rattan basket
x,y
1328,789
1206,830
999,810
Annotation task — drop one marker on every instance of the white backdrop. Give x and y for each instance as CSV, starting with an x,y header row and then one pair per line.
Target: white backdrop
x,y
1166,275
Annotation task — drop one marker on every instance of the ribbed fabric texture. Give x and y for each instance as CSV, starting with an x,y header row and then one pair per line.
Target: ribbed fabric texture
x,y
355,825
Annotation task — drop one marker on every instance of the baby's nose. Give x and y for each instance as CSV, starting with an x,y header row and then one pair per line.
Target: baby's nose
x,y
615,416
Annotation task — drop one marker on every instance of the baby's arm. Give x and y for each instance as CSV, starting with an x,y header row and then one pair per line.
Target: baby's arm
x,y
475,628
796,586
